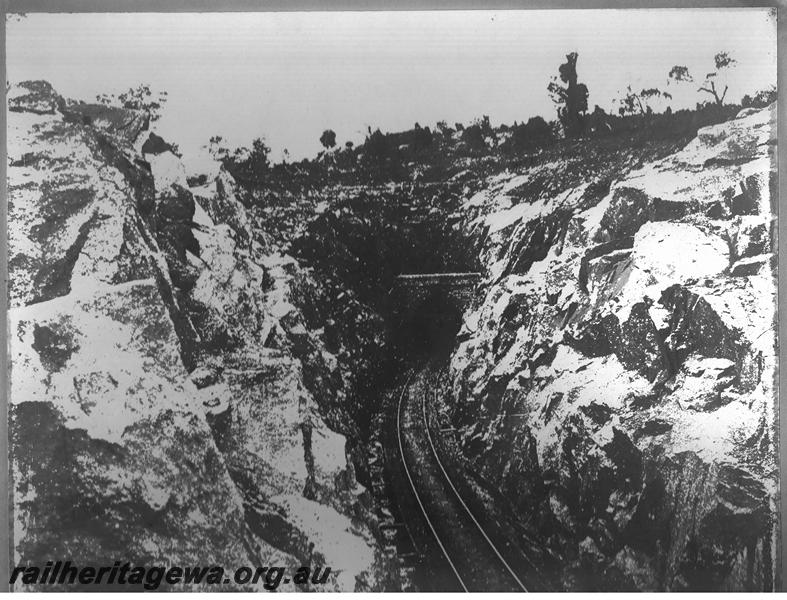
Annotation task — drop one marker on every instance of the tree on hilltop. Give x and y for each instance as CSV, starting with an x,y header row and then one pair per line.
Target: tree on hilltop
x,y
633,102
723,62
250,166
571,98
680,73
328,138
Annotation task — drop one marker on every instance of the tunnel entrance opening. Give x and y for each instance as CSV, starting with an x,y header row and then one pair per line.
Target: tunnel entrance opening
x,y
427,313
427,329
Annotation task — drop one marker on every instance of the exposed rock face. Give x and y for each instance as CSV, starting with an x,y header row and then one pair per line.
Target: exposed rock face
x,y
185,392
112,457
616,380
33,96
169,396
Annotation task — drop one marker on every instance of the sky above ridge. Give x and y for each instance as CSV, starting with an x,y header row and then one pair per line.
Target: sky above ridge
x,y
288,76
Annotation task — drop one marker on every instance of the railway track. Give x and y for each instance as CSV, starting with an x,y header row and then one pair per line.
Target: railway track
x,y
472,556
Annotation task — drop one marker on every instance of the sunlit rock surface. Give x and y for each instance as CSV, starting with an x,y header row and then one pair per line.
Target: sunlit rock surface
x,y
623,359
164,405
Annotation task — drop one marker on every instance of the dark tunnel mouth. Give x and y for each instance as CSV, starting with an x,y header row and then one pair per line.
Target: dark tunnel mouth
x,y
427,329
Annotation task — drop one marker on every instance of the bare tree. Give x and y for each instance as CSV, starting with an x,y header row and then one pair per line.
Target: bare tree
x,y
723,62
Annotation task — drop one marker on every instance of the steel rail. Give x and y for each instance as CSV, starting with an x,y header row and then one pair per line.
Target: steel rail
x,y
412,484
462,502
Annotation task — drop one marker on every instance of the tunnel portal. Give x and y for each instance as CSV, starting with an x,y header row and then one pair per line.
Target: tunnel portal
x,y
428,309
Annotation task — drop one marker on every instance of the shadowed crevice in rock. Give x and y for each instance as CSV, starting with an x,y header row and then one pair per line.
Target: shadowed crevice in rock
x,y
54,346
54,279
536,241
59,205
138,179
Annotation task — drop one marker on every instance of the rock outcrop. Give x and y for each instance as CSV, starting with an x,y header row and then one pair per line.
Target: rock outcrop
x,y
617,378
190,385
170,399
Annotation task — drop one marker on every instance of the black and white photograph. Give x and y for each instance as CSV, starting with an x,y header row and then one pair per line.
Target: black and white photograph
x,y
392,300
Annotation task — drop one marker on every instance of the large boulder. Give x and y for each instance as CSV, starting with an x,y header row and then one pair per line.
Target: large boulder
x,y
112,456
36,97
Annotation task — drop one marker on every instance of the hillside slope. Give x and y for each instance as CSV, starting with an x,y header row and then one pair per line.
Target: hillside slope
x,y
616,380
169,404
